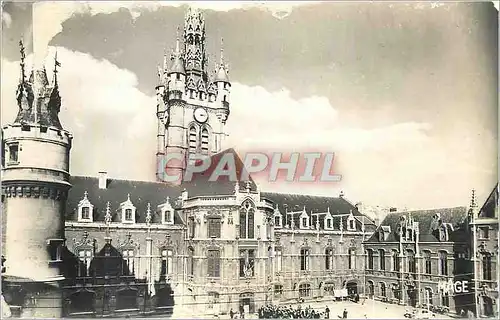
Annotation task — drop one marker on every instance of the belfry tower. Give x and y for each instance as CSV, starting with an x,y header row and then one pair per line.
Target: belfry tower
x,y
192,106
34,192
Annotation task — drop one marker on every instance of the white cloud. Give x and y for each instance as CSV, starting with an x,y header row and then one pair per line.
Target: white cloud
x,y
6,19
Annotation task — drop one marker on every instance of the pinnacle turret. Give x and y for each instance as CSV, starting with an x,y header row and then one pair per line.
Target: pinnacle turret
x,y
221,74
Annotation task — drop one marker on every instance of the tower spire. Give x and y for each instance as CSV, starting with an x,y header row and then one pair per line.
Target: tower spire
x,y
221,51
56,64
23,56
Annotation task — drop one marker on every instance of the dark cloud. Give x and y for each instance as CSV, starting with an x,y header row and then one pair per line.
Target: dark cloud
x,y
20,27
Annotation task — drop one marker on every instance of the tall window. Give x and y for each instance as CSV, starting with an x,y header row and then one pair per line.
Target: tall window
x,y
370,259
214,226
445,299
304,259
128,256
485,233
329,259
381,258
167,262
247,216
168,216
86,257
487,266
427,262
411,262
352,258
428,296
395,260
190,261
304,290
371,288
192,227
247,263
213,263
278,256
277,221
13,152
278,290
204,141
328,223
193,141
86,213
304,222
443,263
383,290
128,214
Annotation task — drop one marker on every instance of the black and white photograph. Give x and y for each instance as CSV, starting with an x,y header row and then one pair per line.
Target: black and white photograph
x,y
249,159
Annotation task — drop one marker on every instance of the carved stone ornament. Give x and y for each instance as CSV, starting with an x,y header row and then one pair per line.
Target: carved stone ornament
x,y
129,243
230,218
83,242
167,242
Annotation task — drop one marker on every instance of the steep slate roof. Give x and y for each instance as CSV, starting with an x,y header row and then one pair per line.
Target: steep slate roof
x,y
155,193
201,186
488,208
456,216
316,204
141,193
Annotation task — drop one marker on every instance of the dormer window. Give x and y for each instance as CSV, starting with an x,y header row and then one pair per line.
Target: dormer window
x,y
304,222
167,212
277,221
128,214
328,224
351,223
128,211
85,209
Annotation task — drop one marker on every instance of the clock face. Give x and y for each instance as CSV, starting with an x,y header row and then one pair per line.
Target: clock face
x,y
200,115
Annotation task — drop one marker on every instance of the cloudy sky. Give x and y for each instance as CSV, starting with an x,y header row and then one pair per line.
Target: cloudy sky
x,y
405,94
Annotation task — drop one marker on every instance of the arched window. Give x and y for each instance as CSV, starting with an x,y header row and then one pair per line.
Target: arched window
x,y
371,289
428,296
190,261
486,266
204,141
213,263
278,256
370,259
427,262
247,217
352,258
381,257
329,259
411,261
443,263
304,259
383,290
167,261
193,141
395,260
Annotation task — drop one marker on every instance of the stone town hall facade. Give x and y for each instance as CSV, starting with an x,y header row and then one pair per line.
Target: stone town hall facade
x,y
100,246
114,247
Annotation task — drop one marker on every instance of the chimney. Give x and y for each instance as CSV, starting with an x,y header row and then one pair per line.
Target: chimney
x,y
103,180
341,195
393,209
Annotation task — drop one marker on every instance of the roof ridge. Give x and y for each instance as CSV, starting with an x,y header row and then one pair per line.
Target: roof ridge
x,y
128,180
298,194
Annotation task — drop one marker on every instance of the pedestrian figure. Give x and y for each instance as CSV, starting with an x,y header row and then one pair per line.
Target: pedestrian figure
x,y
231,313
344,314
327,311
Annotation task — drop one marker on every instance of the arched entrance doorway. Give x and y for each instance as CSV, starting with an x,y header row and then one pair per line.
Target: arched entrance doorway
x,y
82,302
126,299
352,288
165,300
487,306
247,302
412,297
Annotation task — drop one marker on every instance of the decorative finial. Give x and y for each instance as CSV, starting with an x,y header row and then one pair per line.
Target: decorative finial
x,y
107,217
23,56
148,214
222,52
473,199
85,195
56,64
128,196
236,187
248,185
167,200
328,210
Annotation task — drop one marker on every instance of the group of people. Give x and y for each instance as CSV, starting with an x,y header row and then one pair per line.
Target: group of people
x,y
288,312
